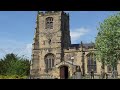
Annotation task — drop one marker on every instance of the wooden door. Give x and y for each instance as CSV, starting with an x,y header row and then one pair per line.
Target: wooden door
x,y
64,72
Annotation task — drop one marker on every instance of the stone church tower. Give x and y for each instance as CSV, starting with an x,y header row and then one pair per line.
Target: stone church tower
x,y
52,36
54,56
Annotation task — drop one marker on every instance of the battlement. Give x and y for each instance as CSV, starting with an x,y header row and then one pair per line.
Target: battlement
x,y
52,12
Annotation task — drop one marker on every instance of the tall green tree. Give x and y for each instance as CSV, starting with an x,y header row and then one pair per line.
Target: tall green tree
x,y
108,41
11,64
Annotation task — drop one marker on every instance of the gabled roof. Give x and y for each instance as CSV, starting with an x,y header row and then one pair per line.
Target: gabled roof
x,y
65,63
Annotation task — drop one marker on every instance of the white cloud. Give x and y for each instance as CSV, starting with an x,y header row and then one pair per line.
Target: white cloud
x,y
77,33
29,46
29,50
25,51
22,48
17,47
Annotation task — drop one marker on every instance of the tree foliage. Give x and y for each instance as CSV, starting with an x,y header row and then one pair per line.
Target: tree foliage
x,y
11,64
108,41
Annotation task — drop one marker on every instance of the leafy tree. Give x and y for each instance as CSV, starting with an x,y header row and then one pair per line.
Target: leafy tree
x,y
11,64
108,41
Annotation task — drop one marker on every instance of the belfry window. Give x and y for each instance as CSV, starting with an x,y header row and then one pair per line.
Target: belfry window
x,y
91,63
49,23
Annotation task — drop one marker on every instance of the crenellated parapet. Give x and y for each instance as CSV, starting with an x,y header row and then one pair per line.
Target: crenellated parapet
x,y
42,13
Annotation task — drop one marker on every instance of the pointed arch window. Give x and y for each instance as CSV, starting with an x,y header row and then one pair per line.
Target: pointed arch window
x,y
49,23
49,62
91,63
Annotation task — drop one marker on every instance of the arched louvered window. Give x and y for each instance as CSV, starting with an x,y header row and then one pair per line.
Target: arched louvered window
x,y
49,23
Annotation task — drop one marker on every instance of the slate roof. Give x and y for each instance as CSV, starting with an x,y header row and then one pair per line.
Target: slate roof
x,y
75,45
85,45
88,45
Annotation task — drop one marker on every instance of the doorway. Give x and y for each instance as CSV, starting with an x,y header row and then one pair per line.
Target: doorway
x,y
63,72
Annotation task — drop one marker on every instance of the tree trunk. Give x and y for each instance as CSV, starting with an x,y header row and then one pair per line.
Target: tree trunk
x,y
103,70
113,74
114,71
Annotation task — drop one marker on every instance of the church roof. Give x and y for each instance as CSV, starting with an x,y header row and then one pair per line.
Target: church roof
x,y
85,45
88,45
75,45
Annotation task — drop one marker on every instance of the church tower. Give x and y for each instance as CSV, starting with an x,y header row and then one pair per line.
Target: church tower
x,y
52,36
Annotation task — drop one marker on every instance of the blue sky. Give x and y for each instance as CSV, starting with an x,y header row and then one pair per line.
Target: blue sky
x,y
17,29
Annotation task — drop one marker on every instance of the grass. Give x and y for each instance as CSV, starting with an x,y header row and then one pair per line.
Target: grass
x,y
12,77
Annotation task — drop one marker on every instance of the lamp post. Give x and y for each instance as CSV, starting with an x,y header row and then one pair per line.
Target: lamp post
x,y
72,58
83,62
